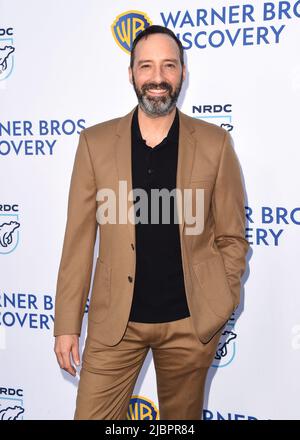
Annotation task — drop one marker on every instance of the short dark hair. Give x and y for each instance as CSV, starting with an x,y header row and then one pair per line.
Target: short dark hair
x,y
156,29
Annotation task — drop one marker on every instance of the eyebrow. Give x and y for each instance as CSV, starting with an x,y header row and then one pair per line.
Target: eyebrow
x,y
173,60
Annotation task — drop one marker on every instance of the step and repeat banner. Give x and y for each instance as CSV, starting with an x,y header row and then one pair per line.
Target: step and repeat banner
x,y
64,67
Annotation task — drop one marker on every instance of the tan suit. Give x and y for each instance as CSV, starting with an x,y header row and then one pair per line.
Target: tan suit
x,y
213,261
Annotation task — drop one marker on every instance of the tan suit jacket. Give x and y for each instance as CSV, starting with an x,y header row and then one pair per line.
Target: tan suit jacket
x,y
213,261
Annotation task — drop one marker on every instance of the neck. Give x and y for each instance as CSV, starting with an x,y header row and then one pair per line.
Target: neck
x,y
157,124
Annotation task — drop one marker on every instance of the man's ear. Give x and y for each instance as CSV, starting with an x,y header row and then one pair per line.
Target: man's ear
x,y
130,74
183,72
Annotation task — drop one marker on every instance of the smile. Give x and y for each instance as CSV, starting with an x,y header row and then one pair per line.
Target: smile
x,y
157,92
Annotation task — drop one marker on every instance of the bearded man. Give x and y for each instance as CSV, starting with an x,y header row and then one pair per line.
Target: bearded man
x,y
158,284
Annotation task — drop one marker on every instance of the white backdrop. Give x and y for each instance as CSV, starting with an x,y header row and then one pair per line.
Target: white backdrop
x,y
67,72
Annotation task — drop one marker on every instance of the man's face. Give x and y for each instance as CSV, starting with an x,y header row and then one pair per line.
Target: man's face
x,y
157,74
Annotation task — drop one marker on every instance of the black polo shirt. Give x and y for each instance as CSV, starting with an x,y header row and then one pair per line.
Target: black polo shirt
x,y
159,291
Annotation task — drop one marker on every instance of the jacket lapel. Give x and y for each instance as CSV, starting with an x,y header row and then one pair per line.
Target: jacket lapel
x,y
186,150
123,159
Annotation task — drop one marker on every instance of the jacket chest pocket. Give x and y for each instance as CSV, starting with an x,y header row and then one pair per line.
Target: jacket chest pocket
x,y
197,202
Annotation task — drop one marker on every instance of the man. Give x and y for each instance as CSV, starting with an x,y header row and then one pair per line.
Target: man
x,y
160,285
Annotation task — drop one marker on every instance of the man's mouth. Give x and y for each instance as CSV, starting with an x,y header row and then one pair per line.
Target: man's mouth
x,y
157,92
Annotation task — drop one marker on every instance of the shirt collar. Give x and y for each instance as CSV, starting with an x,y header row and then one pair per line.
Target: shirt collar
x,y
172,135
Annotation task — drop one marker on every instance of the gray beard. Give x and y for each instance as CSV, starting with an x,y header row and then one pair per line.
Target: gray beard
x,y
157,105
160,106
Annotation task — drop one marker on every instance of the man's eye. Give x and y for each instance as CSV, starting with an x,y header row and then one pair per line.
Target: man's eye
x,y
145,65
171,66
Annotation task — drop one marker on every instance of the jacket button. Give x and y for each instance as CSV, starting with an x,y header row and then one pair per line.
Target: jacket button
x,y
132,246
130,278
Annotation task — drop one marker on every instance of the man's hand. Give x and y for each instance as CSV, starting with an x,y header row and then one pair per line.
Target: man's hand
x,y
64,345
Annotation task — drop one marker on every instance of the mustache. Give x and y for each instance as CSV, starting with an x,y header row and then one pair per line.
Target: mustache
x,y
163,85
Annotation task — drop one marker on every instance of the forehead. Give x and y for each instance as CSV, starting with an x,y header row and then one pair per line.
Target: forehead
x,y
157,46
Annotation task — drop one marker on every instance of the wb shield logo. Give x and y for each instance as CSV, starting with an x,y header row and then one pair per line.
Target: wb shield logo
x,y
127,26
141,408
9,233
6,53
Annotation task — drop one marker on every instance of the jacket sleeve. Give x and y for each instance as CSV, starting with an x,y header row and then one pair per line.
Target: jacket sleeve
x,y
74,274
228,205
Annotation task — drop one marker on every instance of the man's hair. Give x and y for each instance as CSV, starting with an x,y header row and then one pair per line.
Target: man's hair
x,y
156,29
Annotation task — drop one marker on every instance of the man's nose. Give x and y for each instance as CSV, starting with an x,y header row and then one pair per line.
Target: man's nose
x,y
158,76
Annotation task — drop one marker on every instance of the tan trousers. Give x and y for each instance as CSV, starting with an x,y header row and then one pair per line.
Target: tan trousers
x,y
108,374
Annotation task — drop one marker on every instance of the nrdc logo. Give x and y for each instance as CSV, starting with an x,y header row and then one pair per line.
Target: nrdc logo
x,y
226,349
11,404
9,228
127,26
6,52
220,114
141,408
